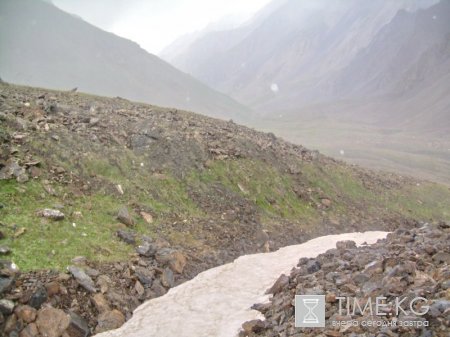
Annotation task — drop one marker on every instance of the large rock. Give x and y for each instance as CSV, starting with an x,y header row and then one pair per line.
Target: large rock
x,y
83,279
52,322
26,313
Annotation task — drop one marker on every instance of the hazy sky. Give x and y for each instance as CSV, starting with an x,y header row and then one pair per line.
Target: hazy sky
x,y
156,23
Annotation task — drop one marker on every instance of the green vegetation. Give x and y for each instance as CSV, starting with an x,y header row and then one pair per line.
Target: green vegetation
x,y
271,191
52,244
199,204
273,194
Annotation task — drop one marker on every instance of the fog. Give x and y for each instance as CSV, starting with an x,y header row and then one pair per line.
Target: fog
x,y
155,24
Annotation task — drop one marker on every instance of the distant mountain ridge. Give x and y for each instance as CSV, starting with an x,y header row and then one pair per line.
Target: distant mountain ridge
x,y
309,56
41,45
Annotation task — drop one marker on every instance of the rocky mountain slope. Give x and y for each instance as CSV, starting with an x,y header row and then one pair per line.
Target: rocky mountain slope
x,y
139,198
407,264
380,62
43,46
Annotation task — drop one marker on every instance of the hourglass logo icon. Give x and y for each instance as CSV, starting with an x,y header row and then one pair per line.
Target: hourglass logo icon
x,y
310,311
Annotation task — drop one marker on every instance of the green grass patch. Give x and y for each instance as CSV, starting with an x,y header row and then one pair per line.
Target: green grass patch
x,y
52,244
270,190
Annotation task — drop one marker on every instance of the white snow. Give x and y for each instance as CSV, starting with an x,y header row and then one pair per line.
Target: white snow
x,y
216,302
274,87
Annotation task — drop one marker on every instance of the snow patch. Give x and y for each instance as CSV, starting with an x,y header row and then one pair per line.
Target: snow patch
x,y
217,301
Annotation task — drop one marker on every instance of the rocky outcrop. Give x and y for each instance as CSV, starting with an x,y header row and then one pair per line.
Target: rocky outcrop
x,y
408,264
90,297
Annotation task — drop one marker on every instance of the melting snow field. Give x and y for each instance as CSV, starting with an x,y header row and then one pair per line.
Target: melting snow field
x,y
216,302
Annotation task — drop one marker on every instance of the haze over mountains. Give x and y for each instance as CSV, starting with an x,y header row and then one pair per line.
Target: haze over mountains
x,y
369,77
306,53
41,45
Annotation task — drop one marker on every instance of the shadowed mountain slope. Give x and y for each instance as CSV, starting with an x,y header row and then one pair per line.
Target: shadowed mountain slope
x,y
43,46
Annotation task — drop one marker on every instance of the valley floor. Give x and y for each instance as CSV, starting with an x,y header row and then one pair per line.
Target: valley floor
x,y
401,151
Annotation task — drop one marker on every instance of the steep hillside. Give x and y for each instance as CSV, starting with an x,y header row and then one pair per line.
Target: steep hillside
x,y
406,67
43,46
299,46
150,196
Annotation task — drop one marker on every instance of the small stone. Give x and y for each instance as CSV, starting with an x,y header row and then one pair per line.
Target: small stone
x,y
139,288
147,217
22,178
109,320
94,121
78,327
52,214
167,278
30,330
52,322
83,279
326,202
6,306
26,313
253,326
346,244
10,324
330,297
100,303
438,308
6,283
313,266
124,217
52,288
144,275
279,285
91,272
374,267
119,189
38,298
103,281
442,257
127,236
5,250
79,260
173,258
146,249
157,289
